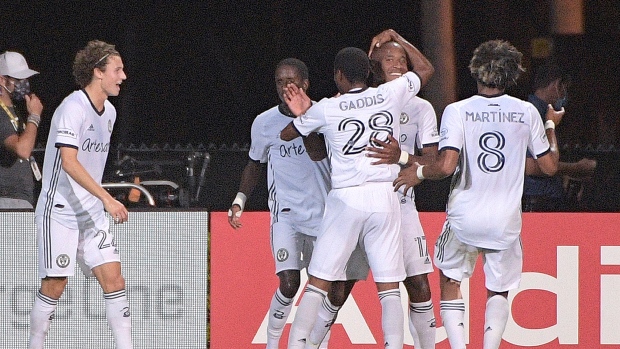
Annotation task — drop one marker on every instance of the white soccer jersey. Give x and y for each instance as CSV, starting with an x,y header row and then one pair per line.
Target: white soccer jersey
x,y
418,128
492,135
351,120
418,125
296,184
77,124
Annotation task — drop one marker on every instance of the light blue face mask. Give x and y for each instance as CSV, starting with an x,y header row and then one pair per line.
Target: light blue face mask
x,y
561,103
22,88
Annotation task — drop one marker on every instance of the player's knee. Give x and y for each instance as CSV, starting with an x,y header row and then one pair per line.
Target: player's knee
x,y
53,287
418,288
289,283
113,284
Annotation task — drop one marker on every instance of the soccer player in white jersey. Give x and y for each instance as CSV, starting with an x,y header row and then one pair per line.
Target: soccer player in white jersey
x,y
484,139
418,135
297,187
71,222
361,207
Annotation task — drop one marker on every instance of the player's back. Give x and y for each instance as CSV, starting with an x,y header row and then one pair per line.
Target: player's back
x,y
495,133
353,119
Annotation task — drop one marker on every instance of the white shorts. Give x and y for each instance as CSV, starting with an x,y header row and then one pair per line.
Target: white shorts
x,y
59,247
502,268
291,249
375,228
415,250
292,246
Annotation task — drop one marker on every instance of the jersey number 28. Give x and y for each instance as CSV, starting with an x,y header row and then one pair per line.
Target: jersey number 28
x,y
380,123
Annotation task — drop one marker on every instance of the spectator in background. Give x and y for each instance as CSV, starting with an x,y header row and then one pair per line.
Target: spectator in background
x,y
17,134
560,192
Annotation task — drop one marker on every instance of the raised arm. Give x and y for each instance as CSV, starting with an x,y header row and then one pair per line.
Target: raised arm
x,y
421,65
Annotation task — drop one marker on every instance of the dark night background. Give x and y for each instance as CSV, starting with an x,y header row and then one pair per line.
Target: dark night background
x,y
200,71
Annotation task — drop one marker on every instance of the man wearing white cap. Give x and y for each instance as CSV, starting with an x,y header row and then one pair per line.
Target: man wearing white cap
x,y
17,133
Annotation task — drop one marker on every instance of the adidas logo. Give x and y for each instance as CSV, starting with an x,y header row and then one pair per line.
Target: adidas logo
x,y
427,261
91,128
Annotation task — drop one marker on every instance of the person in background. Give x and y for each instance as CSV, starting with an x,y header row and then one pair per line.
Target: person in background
x,y
540,192
17,133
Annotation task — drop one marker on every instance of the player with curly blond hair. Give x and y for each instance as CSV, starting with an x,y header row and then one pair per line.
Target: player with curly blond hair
x,y
72,226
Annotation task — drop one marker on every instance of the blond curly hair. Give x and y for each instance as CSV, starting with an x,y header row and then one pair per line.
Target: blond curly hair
x,y
496,64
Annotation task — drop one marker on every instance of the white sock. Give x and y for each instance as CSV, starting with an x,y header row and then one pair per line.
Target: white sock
x,y
392,318
279,310
119,318
324,320
41,317
325,340
495,318
422,322
453,315
305,316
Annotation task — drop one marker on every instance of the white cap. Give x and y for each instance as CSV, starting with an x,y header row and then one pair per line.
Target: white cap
x,y
14,65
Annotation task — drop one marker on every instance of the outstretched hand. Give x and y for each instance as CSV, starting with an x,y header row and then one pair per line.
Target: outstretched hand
x,y
296,99
387,152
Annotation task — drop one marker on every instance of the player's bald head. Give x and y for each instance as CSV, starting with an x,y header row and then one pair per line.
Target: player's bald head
x,y
379,52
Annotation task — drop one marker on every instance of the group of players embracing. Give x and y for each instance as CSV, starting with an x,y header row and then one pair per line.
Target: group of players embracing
x,y
344,202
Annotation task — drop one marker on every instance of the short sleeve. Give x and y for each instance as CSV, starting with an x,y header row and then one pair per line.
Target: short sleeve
x,y
451,131
313,120
427,133
259,149
539,144
70,119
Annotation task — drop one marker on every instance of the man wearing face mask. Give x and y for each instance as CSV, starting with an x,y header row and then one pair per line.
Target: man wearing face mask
x,y
18,133
543,193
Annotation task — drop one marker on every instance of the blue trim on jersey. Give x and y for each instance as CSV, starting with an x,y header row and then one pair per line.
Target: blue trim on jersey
x,y
450,148
60,145
543,153
92,105
47,213
274,207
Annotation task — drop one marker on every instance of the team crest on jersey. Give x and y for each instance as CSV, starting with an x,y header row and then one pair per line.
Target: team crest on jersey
x,y
110,126
404,118
282,255
443,134
62,260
